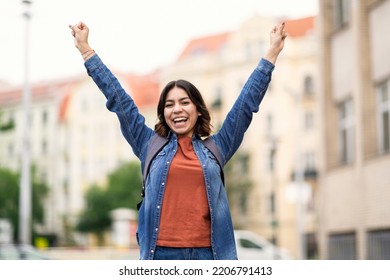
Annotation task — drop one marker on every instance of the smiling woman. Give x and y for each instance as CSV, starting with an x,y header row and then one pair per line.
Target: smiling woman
x,y
185,212
181,109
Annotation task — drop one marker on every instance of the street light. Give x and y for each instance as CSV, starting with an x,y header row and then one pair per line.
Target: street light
x,y
25,182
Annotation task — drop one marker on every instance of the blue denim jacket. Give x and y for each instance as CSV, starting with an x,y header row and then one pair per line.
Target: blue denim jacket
x,y
228,139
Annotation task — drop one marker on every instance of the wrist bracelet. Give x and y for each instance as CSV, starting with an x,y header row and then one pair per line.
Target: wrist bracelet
x,y
86,52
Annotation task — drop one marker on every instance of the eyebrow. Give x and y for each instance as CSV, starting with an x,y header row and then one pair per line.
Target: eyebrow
x,y
181,99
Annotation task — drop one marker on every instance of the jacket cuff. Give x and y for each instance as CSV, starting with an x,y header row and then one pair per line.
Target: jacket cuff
x,y
265,66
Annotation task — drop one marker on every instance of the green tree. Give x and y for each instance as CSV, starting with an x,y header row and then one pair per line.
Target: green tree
x,y
9,199
95,218
124,186
238,183
123,189
5,126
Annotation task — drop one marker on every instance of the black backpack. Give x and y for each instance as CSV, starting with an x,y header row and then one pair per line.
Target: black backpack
x,y
158,142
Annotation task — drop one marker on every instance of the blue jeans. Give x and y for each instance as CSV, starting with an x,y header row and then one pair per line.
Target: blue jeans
x,y
170,253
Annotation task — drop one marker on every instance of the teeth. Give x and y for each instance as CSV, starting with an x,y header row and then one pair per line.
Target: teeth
x,y
179,119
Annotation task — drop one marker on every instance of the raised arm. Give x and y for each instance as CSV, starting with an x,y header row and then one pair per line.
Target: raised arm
x,y
80,32
277,36
133,126
237,121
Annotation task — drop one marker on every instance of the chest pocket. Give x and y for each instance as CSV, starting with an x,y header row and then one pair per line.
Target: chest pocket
x,y
157,161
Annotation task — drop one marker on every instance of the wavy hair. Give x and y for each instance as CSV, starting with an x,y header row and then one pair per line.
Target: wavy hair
x,y
203,125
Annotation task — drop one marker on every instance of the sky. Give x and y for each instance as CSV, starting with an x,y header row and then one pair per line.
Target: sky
x,y
129,35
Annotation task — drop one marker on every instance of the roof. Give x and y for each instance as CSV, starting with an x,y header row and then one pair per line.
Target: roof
x,y
213,43
39,91
207,44
300,27
144,89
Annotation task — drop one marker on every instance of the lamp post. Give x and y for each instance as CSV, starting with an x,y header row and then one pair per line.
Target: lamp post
x,y
25,181
274,223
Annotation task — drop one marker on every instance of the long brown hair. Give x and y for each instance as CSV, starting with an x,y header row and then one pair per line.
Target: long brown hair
x,y
203,125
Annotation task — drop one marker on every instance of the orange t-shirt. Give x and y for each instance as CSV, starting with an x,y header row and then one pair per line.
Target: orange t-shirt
x,y
185,215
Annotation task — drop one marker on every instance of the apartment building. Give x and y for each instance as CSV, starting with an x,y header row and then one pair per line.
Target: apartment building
x,y
74,140
354,193
284,135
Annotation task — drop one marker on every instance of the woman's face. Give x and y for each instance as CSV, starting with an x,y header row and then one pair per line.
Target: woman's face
x,y
180,112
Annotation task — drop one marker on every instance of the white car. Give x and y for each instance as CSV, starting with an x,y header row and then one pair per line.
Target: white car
x,y
251,246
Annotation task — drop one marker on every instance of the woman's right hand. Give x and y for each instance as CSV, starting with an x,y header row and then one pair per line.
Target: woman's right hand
x,y
80,33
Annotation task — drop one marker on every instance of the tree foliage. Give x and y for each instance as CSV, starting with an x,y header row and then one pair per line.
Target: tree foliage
x,y
5,126
123,189
238,184
9,199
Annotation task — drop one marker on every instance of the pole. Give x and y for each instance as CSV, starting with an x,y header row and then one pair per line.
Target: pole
x,y
273,196
25,182
299,181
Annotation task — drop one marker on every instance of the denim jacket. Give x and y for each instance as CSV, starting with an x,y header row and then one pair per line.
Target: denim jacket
x,y
227,139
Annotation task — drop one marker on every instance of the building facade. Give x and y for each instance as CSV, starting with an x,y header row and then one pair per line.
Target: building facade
x,y
284,135
74,141
354,193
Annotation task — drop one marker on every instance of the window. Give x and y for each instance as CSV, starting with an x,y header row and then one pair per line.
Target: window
x,y
308,86
383,97
310,161
341,13
246,243
217,103
309,120
44,117
10,150
44,147
270,123
346,132
272,142
378,245
342,246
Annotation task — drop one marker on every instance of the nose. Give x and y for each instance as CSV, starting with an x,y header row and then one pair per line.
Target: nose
x,y
177,108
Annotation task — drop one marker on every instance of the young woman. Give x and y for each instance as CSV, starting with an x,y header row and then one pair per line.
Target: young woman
x,y
185,213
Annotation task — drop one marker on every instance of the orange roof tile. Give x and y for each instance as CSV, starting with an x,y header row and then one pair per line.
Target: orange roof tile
x,y
300,27
206,44
144,89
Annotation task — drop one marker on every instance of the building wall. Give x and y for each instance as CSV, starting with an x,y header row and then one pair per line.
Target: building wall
x,y
75,142
353,197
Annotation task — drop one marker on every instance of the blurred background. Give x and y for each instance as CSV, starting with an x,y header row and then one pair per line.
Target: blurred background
x,y
311,179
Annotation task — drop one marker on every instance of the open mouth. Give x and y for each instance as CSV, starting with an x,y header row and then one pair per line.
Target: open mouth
x,y
179,120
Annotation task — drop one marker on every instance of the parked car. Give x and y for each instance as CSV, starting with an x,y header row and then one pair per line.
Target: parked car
x,y
251,246
20,252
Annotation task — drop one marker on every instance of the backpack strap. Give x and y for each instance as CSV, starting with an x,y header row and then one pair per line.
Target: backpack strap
x,y
210,144
156,144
